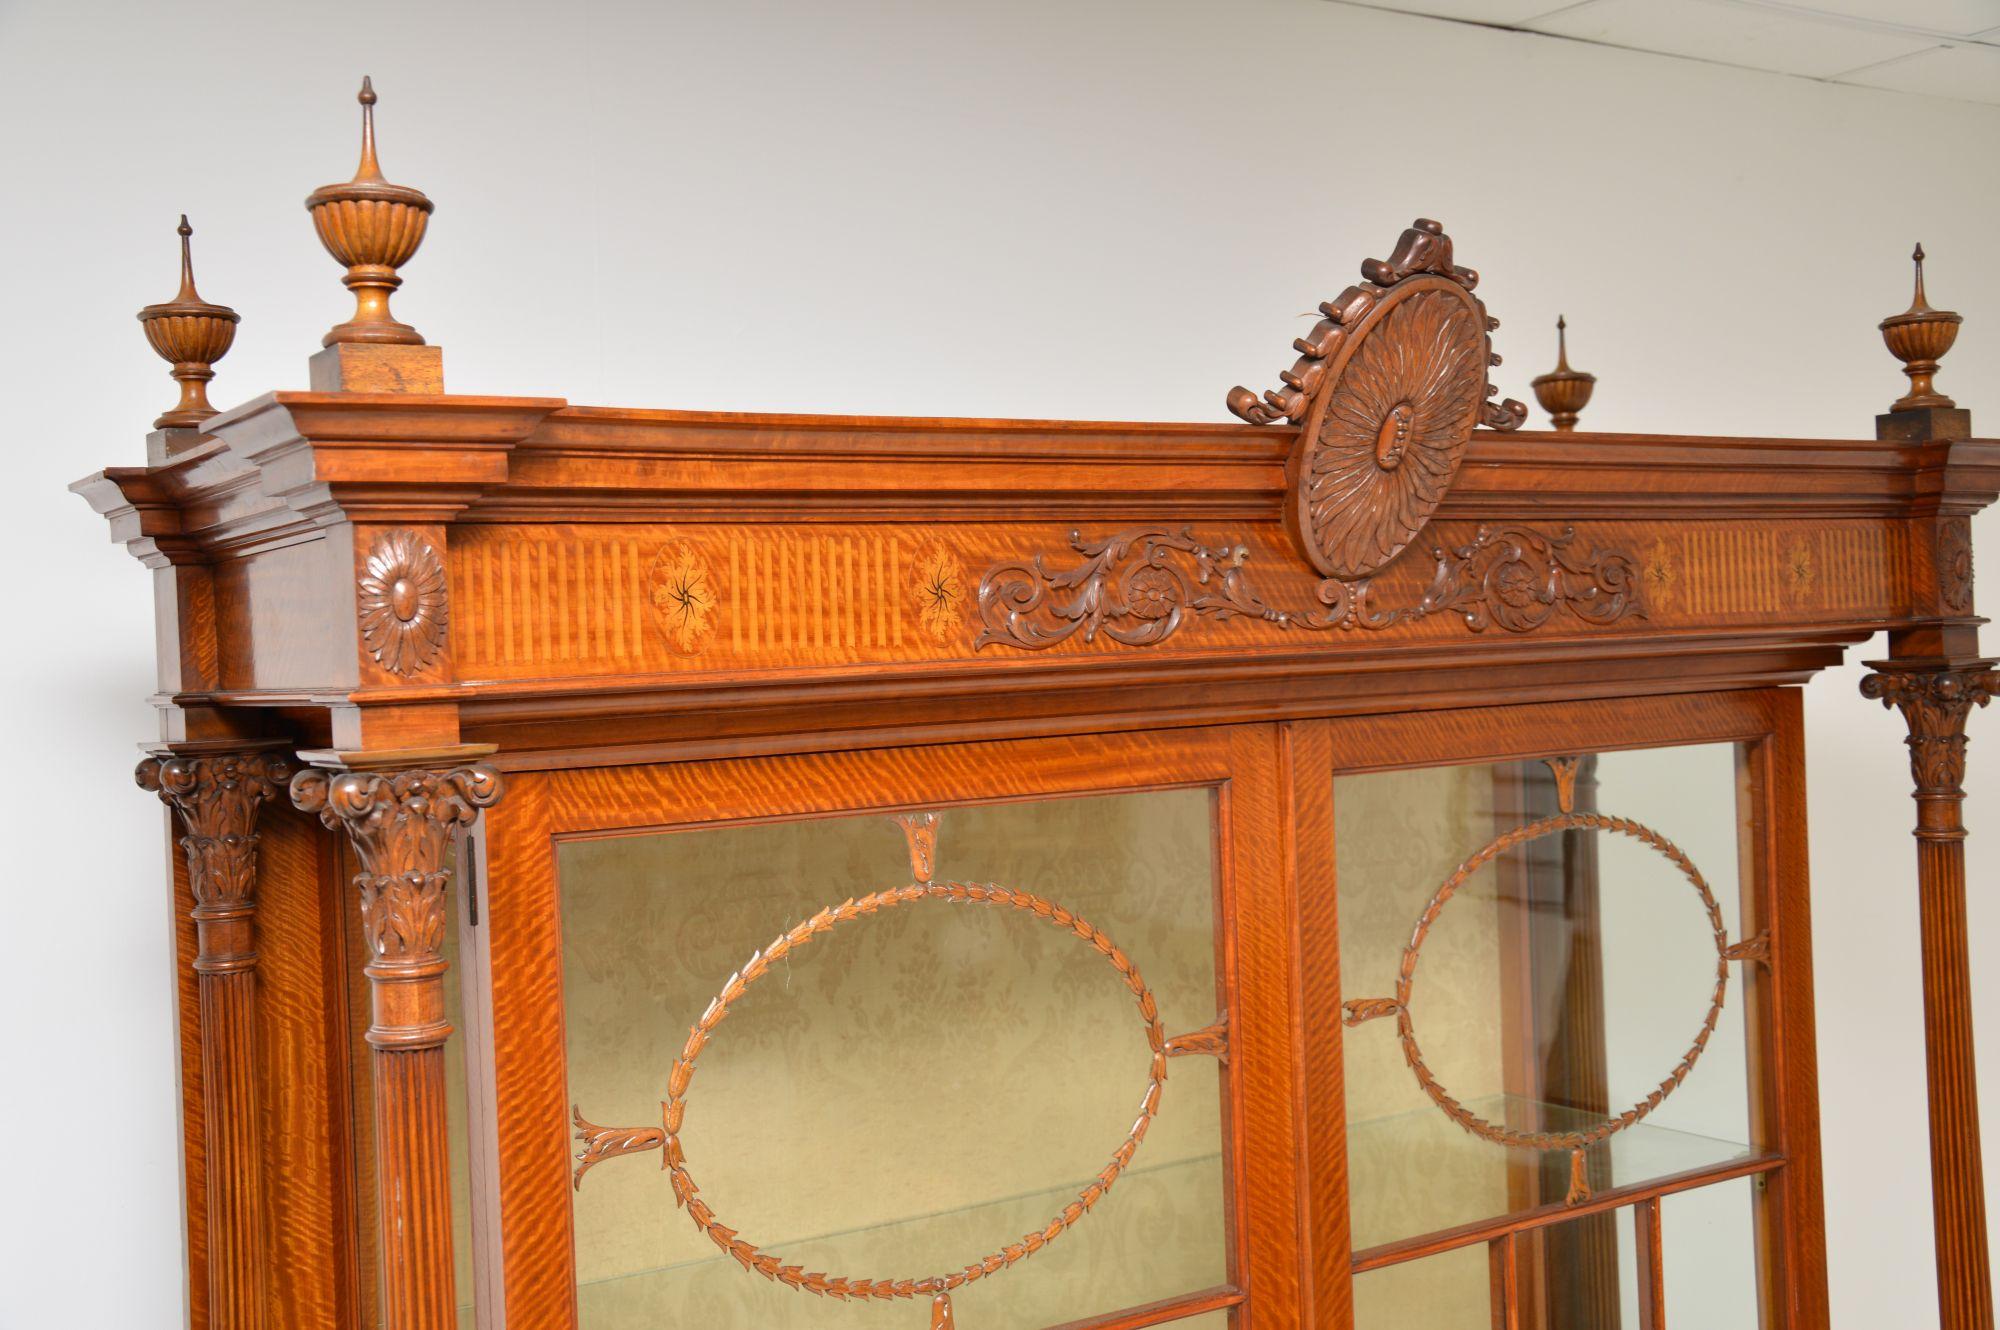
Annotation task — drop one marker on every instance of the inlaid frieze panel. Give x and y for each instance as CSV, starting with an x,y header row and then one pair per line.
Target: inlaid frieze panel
x,y
569,601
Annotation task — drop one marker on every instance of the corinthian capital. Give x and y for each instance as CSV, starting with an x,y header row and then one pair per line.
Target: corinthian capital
x,y
404,826
217,796
1935,703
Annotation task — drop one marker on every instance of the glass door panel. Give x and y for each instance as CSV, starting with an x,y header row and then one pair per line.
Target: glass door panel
x,y
1530,957
909,1087
1450,1291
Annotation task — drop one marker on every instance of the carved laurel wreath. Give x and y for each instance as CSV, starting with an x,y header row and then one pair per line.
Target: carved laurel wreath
x,y
920,828
1387,389
1360,1010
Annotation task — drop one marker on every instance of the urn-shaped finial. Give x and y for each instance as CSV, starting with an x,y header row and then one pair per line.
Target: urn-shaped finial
x,y
193,335
374,228
1563,392
1919,337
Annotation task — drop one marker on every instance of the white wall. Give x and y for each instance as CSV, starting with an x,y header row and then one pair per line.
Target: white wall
x,y
1109,208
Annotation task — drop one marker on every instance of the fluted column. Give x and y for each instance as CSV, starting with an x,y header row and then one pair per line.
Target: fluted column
x,y
405,826
217,794
1935,702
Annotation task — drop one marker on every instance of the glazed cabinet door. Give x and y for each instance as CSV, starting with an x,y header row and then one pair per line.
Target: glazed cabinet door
x,y
1572,974
995,1035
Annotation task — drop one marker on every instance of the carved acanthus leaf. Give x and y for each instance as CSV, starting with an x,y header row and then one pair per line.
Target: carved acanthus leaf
x,y
1935,704
404,826
217,796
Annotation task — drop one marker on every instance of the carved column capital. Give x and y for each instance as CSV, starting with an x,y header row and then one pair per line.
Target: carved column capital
x,y
1935,702
404,826
218,795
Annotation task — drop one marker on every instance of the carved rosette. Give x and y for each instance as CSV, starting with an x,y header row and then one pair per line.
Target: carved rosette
x,y
218,797
405,827
1935,705
683,594
403,606
1387,390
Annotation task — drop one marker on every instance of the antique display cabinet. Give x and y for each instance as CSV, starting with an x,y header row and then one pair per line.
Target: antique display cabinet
x,y
1345,868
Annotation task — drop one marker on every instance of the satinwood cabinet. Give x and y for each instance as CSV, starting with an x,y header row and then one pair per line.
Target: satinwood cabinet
x,y
1345,868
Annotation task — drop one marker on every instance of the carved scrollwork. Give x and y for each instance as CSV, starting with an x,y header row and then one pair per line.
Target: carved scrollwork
x,y
1517,577
1388,388
1139,587
402,602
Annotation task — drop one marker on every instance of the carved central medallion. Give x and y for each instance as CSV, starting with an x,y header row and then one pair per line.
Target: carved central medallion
x,y
1380,449
1387,390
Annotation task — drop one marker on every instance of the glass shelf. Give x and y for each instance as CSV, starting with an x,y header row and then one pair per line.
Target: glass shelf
x,y
1430,1174
1075,1276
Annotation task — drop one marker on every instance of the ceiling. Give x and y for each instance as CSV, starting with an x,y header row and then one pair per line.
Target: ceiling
x,y
1941,48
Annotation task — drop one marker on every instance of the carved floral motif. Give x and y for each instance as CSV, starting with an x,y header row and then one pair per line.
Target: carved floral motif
x,y
403,606
1138,587
937,589
683,596
1935,704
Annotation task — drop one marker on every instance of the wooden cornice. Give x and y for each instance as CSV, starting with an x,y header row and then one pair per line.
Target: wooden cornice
x,y
377,457
600,464
286,463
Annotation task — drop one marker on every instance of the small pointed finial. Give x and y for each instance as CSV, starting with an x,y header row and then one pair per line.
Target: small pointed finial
x,y
373,228
370,168
192,335
1563,392
185,232
1919,337
1917,302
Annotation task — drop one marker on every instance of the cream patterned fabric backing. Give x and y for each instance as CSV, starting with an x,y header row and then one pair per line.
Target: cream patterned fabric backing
x,y
910,1091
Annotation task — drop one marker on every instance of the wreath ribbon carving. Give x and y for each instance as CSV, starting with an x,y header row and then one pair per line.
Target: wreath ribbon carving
x,y
603,1143
1358,1011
